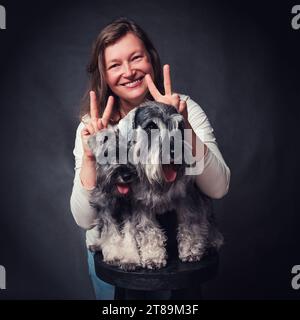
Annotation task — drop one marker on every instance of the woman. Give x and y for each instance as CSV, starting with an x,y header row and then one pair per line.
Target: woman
x,y
125,71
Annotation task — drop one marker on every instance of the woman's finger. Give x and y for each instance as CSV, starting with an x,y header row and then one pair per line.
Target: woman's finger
x,y
94,123
108,111
152,88
93,105
167,80
176,100
90,128
85,132
100,124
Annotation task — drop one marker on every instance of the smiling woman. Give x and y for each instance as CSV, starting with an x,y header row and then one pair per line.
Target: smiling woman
x,y
121,54
127,63
125,71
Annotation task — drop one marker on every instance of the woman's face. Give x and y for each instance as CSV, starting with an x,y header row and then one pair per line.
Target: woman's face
x,y
126,64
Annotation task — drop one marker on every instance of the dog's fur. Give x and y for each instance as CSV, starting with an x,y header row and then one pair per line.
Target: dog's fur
x,y
129,234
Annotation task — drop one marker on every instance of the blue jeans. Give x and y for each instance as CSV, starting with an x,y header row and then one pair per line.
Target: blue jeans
x,y
103,290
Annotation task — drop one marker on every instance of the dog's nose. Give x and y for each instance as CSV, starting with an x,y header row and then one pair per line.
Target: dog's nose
x,y
126,177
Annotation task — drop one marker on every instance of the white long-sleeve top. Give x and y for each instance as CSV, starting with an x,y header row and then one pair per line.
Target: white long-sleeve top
x,y
213,181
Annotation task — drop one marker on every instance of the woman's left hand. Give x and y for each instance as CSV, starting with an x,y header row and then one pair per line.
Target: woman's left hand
x,y
169,97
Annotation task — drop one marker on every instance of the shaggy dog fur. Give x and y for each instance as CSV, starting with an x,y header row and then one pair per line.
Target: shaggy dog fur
x,y
130,196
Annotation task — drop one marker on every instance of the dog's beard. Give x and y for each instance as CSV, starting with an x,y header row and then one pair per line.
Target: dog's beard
x,y
116,179
155,162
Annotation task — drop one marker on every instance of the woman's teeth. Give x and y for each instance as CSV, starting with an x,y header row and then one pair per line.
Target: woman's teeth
x,y
133,83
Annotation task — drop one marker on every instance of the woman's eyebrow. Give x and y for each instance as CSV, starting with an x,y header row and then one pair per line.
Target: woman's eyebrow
x,y
113,60
133,53
136,51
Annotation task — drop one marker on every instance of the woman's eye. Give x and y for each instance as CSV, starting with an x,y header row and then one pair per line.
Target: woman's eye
x,y
136,57
113,66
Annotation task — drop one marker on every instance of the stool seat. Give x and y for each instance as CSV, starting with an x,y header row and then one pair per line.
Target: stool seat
x,y
176,275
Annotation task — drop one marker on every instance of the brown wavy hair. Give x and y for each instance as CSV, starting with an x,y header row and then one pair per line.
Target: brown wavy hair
x,y
96,67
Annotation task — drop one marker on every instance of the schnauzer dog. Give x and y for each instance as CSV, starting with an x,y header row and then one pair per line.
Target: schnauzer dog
x,y
130,196
112,198
163,185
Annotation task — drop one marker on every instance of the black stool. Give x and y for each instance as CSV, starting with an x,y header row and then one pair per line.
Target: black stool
x,y
184,280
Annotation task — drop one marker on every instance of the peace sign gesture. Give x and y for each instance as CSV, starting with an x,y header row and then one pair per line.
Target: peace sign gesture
x,y
169,97
95,123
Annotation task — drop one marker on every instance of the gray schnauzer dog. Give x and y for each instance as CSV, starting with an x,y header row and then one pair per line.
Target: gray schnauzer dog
x,y
112,198
155,182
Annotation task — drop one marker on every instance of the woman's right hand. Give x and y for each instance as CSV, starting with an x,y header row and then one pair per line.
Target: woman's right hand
x,y
95,124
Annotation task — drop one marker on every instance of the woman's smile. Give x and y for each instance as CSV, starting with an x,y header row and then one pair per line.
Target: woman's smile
x,y
133,84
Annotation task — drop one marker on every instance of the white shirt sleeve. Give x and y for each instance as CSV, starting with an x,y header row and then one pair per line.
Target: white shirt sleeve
x,y
215,177
84,214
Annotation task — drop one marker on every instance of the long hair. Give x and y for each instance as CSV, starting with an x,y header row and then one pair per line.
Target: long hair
x,y
96,67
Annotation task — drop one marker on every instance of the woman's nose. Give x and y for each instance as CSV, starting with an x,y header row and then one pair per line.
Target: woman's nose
x,y
128,71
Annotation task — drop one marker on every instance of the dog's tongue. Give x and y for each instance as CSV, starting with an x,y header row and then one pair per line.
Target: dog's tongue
x,y
123,188
169,173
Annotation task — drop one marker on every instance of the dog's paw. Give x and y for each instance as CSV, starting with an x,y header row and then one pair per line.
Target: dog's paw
x,y
191,254
156,260
191,258
151,264
114,262
191,250
152,250
129,266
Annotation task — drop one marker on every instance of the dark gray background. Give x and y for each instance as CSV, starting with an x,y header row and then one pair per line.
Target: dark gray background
x,y
239,61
